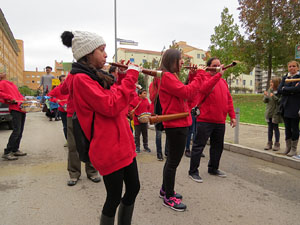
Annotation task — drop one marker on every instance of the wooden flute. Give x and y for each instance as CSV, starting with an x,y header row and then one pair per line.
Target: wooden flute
x,y
215,69
162,118
154,73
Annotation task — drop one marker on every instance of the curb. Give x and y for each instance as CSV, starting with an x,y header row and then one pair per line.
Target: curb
x,y
264,155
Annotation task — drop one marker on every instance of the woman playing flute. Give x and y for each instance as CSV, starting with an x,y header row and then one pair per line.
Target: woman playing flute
x,y
173,95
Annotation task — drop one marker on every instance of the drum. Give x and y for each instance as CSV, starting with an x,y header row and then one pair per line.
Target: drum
x,y
144,117
31,106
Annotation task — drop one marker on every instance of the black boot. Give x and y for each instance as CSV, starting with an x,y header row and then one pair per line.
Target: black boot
x,y
105,220
125,214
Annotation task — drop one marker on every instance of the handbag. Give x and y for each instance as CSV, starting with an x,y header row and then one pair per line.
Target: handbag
x,y
82,143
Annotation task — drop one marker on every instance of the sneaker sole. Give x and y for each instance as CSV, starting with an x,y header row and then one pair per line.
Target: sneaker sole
x,y
178,210
199,181
222,176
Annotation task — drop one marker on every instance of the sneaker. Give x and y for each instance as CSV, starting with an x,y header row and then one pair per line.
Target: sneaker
x,y
137,150
146,149
95,179
187,153
66,145
174,203
9,156
196,177
72,181
160,157
296,157
215,172
202,155
19,153
162,194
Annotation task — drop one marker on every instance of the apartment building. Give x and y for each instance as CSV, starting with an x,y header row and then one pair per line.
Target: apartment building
x,y
11,53
32,79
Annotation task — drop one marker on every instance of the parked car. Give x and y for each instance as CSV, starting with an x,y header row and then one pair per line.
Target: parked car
x,y
5,116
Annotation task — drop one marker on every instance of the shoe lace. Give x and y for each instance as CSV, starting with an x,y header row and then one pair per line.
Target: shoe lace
x,y
176,200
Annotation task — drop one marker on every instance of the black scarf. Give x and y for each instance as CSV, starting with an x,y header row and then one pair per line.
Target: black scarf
x,y
81,68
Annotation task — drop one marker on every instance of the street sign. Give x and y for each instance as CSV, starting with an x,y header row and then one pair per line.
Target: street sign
x,y
55,82
127,42
297,51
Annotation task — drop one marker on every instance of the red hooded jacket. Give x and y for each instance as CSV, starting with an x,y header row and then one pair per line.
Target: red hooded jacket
x,y
8,92
143,107
59,97
112,146
173,95
218,103
67,89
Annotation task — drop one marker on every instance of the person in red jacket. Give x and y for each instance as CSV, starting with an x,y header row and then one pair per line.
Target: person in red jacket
x,y
62,102
141,105
112,149
214,108
173,96
9,94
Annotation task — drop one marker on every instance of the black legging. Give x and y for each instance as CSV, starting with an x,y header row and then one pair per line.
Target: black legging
x,y
114,186
176,144
271,127
291,128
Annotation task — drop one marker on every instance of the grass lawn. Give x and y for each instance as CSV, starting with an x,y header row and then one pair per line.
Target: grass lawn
x,y
252,108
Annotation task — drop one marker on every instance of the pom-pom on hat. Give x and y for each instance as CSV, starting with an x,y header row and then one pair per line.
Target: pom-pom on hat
x,y
84,43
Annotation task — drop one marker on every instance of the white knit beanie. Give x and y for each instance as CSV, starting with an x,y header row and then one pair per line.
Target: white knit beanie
x,y
84,43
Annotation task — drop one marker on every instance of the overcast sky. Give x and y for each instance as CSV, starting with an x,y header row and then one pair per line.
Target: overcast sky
x,y
152,23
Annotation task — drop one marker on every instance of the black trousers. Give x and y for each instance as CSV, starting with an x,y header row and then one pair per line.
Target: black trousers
x,y
291,128
138,129
114,186
176,144
18,121
216,133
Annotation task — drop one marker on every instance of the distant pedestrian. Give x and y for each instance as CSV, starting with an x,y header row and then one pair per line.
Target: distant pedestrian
x,y
273,118
9,94
46,82
290,106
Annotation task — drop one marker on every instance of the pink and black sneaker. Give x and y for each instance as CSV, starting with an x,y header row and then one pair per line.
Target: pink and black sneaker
x,y
162,194
174,203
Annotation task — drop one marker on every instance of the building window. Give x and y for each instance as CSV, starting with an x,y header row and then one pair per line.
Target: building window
x,y
144,61
33,76
33,81
198,56
250,82
203,56
28,82
251,73
27,76
244,82
38,76
38,81
237,82
132,60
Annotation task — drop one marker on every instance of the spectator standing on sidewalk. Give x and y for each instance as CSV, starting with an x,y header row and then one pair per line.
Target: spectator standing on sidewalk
x,y
273,118
46,82
9,94
97,101
214,108
290,106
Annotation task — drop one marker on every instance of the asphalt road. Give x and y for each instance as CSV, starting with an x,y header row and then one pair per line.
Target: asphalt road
x,y
33,189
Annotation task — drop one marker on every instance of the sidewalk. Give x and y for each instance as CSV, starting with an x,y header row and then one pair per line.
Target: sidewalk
x,y
252,140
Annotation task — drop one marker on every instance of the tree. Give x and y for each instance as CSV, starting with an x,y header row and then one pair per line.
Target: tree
x,y
273,30
224,45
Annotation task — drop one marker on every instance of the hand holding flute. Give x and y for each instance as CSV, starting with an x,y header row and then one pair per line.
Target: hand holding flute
x,y
154,73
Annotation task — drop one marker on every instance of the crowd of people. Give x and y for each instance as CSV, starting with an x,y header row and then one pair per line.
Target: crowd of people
x,y
106,104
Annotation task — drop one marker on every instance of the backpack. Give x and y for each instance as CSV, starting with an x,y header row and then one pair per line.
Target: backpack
x,y
82,143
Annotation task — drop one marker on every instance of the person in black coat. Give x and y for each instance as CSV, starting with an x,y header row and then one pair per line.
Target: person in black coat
x,y
290,106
